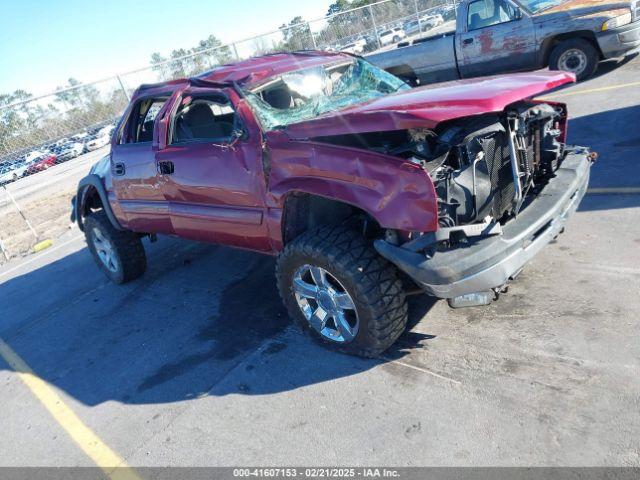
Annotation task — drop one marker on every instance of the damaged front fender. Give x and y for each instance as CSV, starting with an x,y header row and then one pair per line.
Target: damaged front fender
x,y
396,193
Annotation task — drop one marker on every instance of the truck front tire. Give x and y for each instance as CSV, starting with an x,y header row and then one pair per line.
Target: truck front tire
x,y
339,290
575,55
118,253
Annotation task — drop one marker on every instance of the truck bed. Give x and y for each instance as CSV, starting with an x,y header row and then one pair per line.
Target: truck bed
x,y
428,60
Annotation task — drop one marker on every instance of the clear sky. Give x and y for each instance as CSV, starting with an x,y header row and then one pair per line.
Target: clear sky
x,y
44,42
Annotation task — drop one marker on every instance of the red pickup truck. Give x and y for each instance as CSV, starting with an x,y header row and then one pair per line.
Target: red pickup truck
x,y
362,186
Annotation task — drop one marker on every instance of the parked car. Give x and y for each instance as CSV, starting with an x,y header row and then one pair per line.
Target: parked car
x,y
82,138
107,130
371,42
431,21
426,22
33,156
38,162
69,150
448,12
497,36
100,140
79,137
356,48
8,173
392,35
349,176
11,170
18,169
413,27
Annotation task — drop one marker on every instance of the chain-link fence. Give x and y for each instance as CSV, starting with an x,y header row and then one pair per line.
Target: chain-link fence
x,y
48,142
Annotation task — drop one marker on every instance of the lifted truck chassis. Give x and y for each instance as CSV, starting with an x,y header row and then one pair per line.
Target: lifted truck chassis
x,y
360,188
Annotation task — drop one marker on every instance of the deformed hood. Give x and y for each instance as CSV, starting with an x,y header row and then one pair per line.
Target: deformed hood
x,y
425,107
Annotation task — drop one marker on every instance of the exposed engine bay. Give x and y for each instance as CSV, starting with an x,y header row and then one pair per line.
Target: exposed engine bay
x,y
485,169
490,167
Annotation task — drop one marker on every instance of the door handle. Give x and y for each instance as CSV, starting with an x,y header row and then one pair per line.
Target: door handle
x,y
467,41
166,167
118,169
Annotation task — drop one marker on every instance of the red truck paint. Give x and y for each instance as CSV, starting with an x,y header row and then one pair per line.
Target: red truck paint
x,y
255,70
425,107
397,193
43,164
223,194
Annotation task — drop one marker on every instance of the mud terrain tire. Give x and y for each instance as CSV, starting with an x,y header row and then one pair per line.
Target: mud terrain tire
x,y
119,254
380,306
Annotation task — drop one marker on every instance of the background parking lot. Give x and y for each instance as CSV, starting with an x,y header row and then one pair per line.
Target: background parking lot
x,y
196,364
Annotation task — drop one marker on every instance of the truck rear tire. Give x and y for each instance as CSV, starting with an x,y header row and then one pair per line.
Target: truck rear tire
x,y
340,291
119,254
575,55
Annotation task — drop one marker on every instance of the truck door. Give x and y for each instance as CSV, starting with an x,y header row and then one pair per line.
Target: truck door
x,y
497,36
133,166
211,169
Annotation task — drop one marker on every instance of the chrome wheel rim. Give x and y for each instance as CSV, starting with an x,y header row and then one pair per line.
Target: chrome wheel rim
x,y
105,251
326,304
574,61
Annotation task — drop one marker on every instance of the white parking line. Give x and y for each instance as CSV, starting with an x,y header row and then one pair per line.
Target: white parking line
x,y
420,369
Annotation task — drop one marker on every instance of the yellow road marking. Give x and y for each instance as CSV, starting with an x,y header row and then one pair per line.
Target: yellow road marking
x,y
593,90
111,463
38,247
618,190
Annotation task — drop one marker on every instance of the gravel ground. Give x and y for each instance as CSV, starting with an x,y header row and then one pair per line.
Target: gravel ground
x,y
45,201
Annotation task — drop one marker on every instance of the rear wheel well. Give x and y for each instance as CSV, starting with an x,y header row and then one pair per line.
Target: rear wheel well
x,y
550,43
304,211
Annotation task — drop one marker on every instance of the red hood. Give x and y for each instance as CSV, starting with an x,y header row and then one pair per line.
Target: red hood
x,y
425,107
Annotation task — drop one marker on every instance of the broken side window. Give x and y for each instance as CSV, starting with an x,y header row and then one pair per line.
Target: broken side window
x,y
139,126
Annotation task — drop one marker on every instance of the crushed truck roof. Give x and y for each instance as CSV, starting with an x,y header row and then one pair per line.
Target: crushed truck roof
x,y
253,70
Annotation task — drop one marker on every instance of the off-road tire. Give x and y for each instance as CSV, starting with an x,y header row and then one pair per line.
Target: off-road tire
x,y
371,281
585,46
127,247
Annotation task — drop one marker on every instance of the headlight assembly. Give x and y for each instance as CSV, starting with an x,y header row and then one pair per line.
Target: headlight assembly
x,y
616,22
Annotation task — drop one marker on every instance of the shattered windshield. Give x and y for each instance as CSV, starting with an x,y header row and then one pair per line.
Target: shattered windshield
x,y
305,94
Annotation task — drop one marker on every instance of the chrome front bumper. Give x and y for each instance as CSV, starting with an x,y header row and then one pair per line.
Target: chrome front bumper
x,y
620,42
490,263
